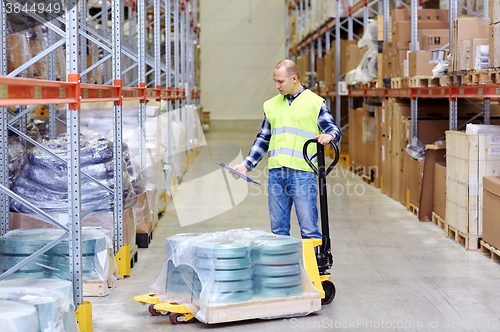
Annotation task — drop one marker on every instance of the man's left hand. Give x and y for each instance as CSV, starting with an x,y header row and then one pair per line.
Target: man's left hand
x,y
324,138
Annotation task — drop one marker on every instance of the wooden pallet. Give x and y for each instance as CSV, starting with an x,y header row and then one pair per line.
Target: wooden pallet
x,y
457,78
494,76
470,242
266,308
443,80
366,178
478,77
438,220
413,209
134,255
97,288
488,249
396,83
423,81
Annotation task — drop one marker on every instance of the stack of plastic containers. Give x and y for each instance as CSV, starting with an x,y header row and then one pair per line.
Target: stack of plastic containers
x,y
229,270
276,263
63,288
17,245
18,317
93,242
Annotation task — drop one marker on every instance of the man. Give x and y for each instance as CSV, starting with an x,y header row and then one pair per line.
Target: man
x,y
290,119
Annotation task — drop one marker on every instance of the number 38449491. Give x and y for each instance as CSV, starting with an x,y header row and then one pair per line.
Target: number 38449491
x,y
45,7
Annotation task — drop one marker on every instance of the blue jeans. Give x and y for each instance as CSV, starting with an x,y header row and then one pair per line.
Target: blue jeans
x,y
288,186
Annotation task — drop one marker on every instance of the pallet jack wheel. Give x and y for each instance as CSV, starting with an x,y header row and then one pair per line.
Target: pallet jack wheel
x,y
176,318
330,291
191,320
153,311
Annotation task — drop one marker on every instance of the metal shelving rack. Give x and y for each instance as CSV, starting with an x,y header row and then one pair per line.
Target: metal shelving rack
x,y
452,93
16,91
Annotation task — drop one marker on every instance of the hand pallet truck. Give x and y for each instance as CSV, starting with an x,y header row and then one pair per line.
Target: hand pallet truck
x,y
317,252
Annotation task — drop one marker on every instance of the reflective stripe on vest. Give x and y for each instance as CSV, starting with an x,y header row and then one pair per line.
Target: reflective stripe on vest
x,y
290,152
294,131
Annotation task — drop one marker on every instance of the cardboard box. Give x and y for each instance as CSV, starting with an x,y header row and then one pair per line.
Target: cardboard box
x,y
491,206
404,14
476,54
415,176
439,205
433,39
469,158
142,215
494,43
320,69
418,63
494,11
466,28
463,54
433,153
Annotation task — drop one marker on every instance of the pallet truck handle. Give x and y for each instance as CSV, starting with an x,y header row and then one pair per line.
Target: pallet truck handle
x,y
320,154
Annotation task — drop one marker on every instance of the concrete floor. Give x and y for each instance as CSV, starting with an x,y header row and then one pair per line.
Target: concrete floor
x,y
392,272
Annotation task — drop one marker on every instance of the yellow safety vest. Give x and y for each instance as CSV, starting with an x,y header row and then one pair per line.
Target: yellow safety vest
x,y
291,127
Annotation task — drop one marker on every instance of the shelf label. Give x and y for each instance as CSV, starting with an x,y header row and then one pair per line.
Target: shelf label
x,y
100,93
430,92
85,93
497,91
419,92
480,91
38,92
112,93
442,91
461,91
4,91
62,93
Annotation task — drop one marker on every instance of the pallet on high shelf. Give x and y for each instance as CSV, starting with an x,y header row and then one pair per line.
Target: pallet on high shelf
x,y
423,81
494,76
457,78
443,80
478,77
488,249
438,220
400,82
461,238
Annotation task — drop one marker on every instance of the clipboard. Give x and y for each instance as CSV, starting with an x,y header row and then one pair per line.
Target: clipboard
x,y
241,175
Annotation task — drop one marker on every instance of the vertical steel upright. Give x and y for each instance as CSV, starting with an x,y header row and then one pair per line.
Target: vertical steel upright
x,y
141,52
338,114
83,40
177,84
168,58
51,62
452,12
486,114
414,47
4,119
73,141
386,20
105,33
157,45
117,126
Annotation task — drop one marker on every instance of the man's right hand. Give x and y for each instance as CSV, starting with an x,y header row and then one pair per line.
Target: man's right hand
x,y
240,168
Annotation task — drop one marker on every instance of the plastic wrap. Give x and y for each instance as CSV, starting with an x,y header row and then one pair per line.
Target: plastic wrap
x,y
43,179
63,288
231,267
37,45
16,157
47,304
482,129
18,244
370,36
18,53
18,317
440,69
417,151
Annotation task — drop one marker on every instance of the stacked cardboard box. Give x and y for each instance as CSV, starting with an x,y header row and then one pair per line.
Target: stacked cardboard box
x,y
433,32
469,157
494,34
464,30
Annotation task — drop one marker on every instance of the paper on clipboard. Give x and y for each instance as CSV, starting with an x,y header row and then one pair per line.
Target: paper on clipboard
x,y
241,175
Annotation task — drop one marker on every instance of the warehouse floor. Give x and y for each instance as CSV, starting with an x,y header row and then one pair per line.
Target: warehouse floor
x,y
392,272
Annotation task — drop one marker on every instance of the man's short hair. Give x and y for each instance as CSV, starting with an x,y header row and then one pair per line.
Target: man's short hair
x,y
290,67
